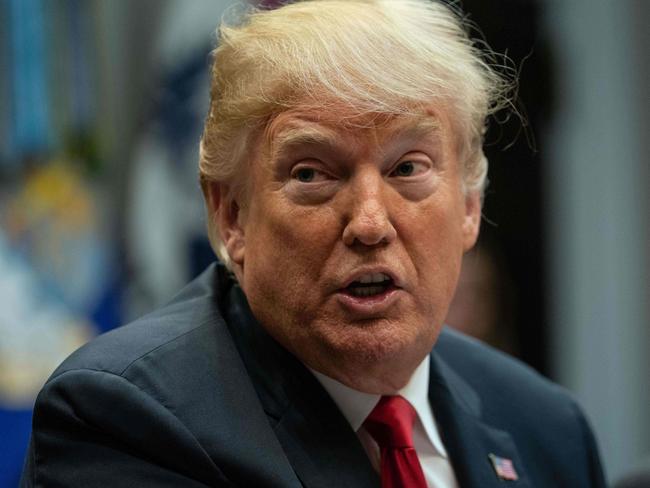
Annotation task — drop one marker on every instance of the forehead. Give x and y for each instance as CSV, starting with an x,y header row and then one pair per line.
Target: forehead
x,y
300,127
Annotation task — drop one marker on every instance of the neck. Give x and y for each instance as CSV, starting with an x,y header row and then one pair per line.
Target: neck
x,y
386,378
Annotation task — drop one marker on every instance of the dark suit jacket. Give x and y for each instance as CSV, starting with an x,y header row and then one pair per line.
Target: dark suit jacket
x,y
197,394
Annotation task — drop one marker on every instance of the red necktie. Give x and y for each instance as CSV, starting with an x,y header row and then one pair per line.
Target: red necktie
x,y
391,425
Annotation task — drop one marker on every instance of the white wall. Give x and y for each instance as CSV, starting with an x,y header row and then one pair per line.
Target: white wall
x,y
599,217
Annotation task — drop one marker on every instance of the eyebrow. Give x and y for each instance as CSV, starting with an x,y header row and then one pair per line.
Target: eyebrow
x,y
420,128
293,137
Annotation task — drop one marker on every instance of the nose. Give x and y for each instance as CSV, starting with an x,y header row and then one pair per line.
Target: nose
x,y
368,215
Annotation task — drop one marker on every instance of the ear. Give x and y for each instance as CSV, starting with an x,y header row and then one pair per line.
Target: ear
x,y
471,219
227,216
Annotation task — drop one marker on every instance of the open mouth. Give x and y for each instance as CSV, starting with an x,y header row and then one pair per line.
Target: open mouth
x,y
369,285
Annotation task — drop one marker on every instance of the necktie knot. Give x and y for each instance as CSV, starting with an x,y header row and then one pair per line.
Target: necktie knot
x,y
391,422
391,425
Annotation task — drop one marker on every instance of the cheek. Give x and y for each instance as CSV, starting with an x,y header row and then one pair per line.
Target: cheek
x,y
435,246
433,229
284,259
285,251
293,236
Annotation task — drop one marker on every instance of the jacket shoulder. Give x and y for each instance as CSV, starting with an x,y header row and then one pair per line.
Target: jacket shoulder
x,y
166,397
192,312
512,395
486,368
543,418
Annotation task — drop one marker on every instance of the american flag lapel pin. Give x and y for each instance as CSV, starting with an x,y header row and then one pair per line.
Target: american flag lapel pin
x,y
503,468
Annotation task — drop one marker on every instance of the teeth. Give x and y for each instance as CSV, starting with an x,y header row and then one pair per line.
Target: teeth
x,y
367,291
373,278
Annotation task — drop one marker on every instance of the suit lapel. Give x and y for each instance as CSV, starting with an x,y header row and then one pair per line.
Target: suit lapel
x,y
321,446
469,441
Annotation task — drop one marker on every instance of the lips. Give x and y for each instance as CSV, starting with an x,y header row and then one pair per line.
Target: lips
x,y
369,284
370,292
371,275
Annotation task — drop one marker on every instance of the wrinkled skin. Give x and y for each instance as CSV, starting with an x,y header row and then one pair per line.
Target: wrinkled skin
x,y
327,204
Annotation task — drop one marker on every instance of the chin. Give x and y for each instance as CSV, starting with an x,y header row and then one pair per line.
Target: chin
x,y
384,345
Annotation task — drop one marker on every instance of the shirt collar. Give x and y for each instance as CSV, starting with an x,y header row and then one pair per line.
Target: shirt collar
x,y
356,405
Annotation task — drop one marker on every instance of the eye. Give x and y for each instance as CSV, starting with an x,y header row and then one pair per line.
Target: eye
x,y
308,174
409,168
305,175
405,169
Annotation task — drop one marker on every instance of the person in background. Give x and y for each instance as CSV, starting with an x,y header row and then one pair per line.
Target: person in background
x,y
342,168
484,303
637,478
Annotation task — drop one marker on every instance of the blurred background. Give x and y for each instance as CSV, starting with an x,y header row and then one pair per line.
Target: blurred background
x,y
101,218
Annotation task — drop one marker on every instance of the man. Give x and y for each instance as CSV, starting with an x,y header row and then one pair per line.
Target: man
x,y
342,168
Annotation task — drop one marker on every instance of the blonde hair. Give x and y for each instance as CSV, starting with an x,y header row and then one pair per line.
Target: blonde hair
x,y
376,57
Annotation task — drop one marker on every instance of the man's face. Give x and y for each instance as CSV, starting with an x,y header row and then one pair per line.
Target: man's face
x,y
350,245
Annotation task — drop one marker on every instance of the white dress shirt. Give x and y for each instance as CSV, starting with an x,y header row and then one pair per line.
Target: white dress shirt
x,y
356,406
